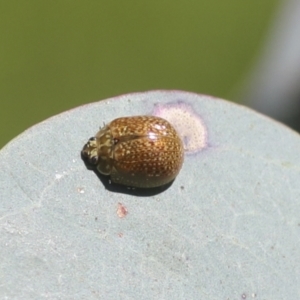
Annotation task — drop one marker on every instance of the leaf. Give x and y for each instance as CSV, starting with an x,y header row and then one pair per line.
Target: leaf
x,y
227,228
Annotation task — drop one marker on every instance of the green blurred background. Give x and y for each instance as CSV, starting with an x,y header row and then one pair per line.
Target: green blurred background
x,y
56,55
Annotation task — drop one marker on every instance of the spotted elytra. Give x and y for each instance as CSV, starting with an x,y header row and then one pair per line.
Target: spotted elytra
x,y
139,151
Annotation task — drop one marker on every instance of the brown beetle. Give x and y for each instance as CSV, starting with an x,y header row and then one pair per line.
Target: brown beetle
x,y
140,151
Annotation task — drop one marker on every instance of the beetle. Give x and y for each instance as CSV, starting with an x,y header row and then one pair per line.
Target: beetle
x,y
138,151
